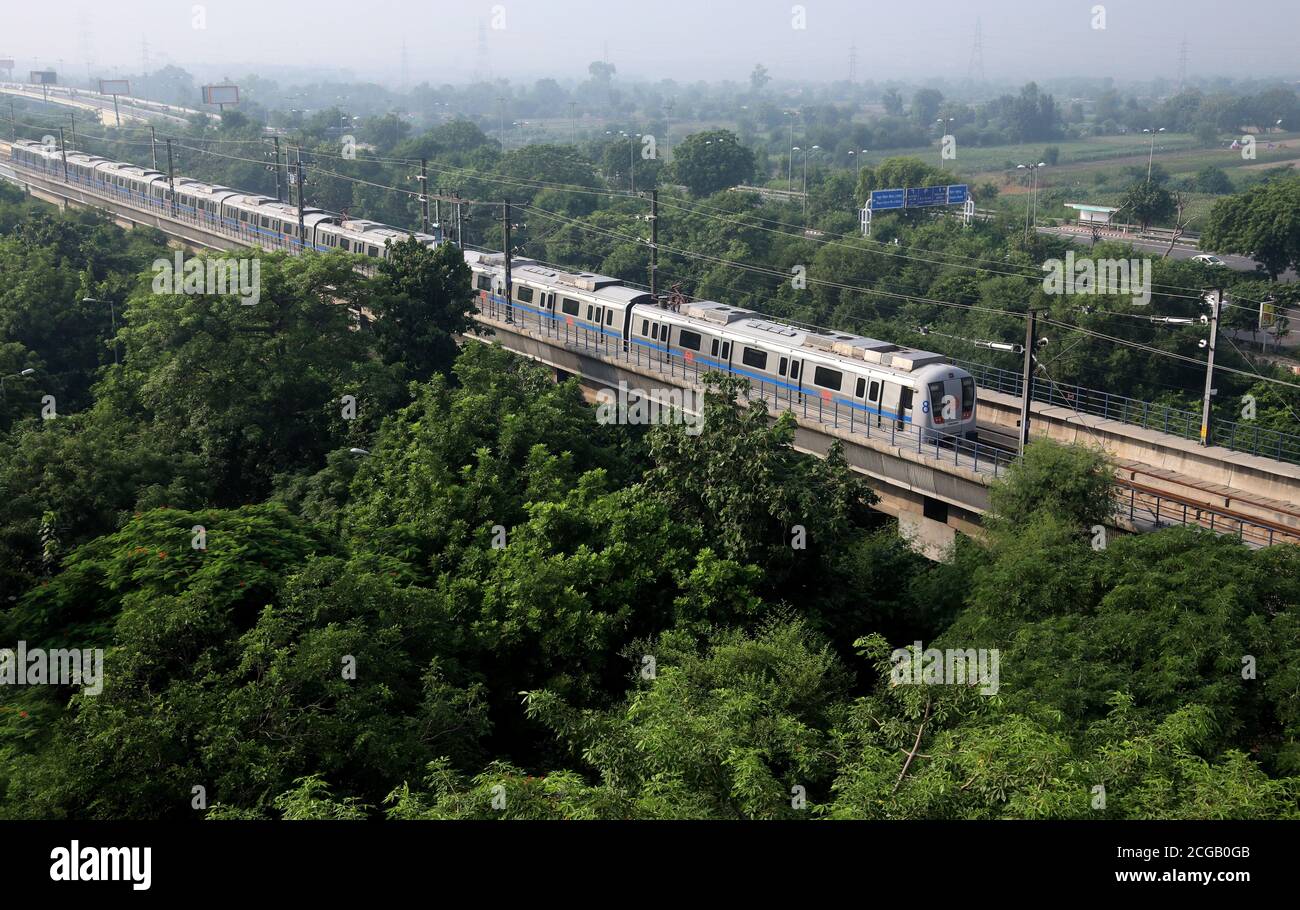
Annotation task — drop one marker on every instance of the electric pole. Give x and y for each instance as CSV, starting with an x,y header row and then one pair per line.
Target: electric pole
x,y
73,115
654,244
1215,298
302,238
153,147
63,148
171,178
424,195
505,223
460,225
1026,377
13,120
276,141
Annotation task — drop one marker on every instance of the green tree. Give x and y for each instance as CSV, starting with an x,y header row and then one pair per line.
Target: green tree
x,y
712,161
1263,222
1146,201
421,298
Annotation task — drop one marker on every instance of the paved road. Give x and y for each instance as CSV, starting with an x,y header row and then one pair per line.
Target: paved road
x,y
1180,250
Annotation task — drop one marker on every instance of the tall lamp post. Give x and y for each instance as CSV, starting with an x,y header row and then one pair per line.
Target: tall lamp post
x,y
1031,176
944,126
805,179
1151,152
19,375
860,159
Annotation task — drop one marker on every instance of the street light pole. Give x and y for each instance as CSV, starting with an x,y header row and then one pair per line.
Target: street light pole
x,y
21,373
1152,150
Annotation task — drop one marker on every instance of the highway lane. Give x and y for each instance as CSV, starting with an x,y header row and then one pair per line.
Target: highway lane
x,y
1179,251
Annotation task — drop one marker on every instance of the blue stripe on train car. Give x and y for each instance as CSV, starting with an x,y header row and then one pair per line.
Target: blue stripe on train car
x,y
889,415
501,301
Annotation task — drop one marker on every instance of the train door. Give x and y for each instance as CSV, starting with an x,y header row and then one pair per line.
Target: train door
x,y
889,399
796,376
904,408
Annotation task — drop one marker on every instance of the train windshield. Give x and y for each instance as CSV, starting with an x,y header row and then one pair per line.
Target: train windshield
x,y
967,397
936,401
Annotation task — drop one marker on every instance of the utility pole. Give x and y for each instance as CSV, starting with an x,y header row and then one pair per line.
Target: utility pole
x,y
302,238
73,115
573,124
63,148
505,224
654,244
1026,377
13,120
460,225
153,147
424,195
276,141
171,178
1216,302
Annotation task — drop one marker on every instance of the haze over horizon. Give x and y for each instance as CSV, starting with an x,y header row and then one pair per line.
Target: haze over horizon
x,y
686,41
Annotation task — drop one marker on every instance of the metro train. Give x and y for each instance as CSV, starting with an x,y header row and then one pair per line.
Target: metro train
x,y
882,383
257,220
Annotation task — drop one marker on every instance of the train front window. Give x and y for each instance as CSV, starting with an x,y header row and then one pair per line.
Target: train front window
x,y
936,401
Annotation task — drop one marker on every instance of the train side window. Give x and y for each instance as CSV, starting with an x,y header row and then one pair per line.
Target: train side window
x,y
654,331
589,309
726,350
645,327
714,350
569,306
665,334
689,340
609,317
828,379
794,369
484,283
784,363
753,357
967,396
523,294
875,391
862,388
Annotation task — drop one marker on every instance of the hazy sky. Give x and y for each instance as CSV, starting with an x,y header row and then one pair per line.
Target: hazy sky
x,y
681,39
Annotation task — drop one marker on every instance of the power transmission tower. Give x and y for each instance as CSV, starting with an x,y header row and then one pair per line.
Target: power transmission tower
x,y
975,71
853,63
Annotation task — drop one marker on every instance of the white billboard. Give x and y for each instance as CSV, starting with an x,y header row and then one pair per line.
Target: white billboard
x,y
44,77
114,86
220,94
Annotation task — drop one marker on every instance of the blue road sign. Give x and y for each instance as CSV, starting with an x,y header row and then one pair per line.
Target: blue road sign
x,y
920,196
886,199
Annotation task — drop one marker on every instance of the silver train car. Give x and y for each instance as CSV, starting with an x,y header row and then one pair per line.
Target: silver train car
x,y
256,220
884,383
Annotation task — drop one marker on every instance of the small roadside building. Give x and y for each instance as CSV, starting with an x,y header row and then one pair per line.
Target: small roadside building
x,y
1093,214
